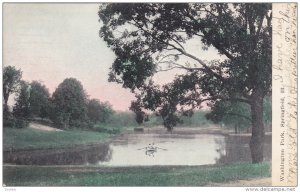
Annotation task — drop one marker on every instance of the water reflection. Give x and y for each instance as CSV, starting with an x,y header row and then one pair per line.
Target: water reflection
x,y
181,150
191,149
235,148
76,156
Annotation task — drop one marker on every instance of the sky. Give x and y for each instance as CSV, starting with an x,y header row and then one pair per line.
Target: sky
x,y
51,42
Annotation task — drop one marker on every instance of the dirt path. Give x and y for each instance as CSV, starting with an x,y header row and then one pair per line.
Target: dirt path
x,y
42,127
262,182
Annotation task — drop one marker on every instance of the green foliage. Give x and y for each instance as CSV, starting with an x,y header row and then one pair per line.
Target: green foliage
x,y
39,100
32,101
232,114
106,112
99,112
21,123
21,110
94,110
118,121
69,104
132,176
153,120
110,128
8,118
11,80
136,107
237,114
268,110
124,119
197,120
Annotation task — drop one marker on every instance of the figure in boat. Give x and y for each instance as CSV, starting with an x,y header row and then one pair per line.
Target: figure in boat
x,y
151,149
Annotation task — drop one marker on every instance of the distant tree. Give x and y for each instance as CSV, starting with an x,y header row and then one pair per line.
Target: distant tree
x,y
94,110
106,112
21,109
123,119
99,112
69,104
232,114
39,99
11,81
198,119
136,107
237,114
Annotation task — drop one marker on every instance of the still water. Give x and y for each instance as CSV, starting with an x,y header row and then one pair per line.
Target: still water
x,y
165,149
173,150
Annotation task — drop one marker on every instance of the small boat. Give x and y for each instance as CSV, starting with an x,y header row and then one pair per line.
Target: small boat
x,y
151,148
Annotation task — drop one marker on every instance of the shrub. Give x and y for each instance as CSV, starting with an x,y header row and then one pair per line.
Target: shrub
x,y
21,123
8,119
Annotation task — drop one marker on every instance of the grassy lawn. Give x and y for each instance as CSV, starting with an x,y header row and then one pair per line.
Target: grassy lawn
x,y
18,139
131,176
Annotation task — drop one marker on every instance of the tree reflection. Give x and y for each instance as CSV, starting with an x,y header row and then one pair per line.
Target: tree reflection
x,y
92,154
235,148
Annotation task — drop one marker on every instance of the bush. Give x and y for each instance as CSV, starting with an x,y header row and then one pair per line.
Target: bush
x,y
82,124
8,120
21,123
105,128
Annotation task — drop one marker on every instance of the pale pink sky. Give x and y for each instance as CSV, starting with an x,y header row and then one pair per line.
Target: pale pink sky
x,y
51,42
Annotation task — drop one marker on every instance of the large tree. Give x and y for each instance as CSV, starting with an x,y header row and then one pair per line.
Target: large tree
x,y
69,102
11,81
147,38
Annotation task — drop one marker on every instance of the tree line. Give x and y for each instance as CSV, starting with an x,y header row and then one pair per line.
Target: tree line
x,y
68,107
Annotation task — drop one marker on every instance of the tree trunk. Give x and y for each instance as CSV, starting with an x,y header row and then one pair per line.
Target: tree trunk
x,y
257,139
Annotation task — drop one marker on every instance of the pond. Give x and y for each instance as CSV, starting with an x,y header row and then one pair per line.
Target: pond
x,y
188,149
138,149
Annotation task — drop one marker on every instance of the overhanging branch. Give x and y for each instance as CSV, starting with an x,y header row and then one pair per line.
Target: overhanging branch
x,y
209,70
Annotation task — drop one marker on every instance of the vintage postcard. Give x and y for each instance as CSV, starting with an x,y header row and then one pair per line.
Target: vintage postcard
x,y
150,94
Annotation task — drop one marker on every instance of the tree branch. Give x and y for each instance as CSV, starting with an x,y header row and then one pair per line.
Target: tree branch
x,y
169,55
178,43
209,70
200,100
169,69
204,65
215,44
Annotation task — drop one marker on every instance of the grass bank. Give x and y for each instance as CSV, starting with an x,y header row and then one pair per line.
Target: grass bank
x,y
20,139
131,176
